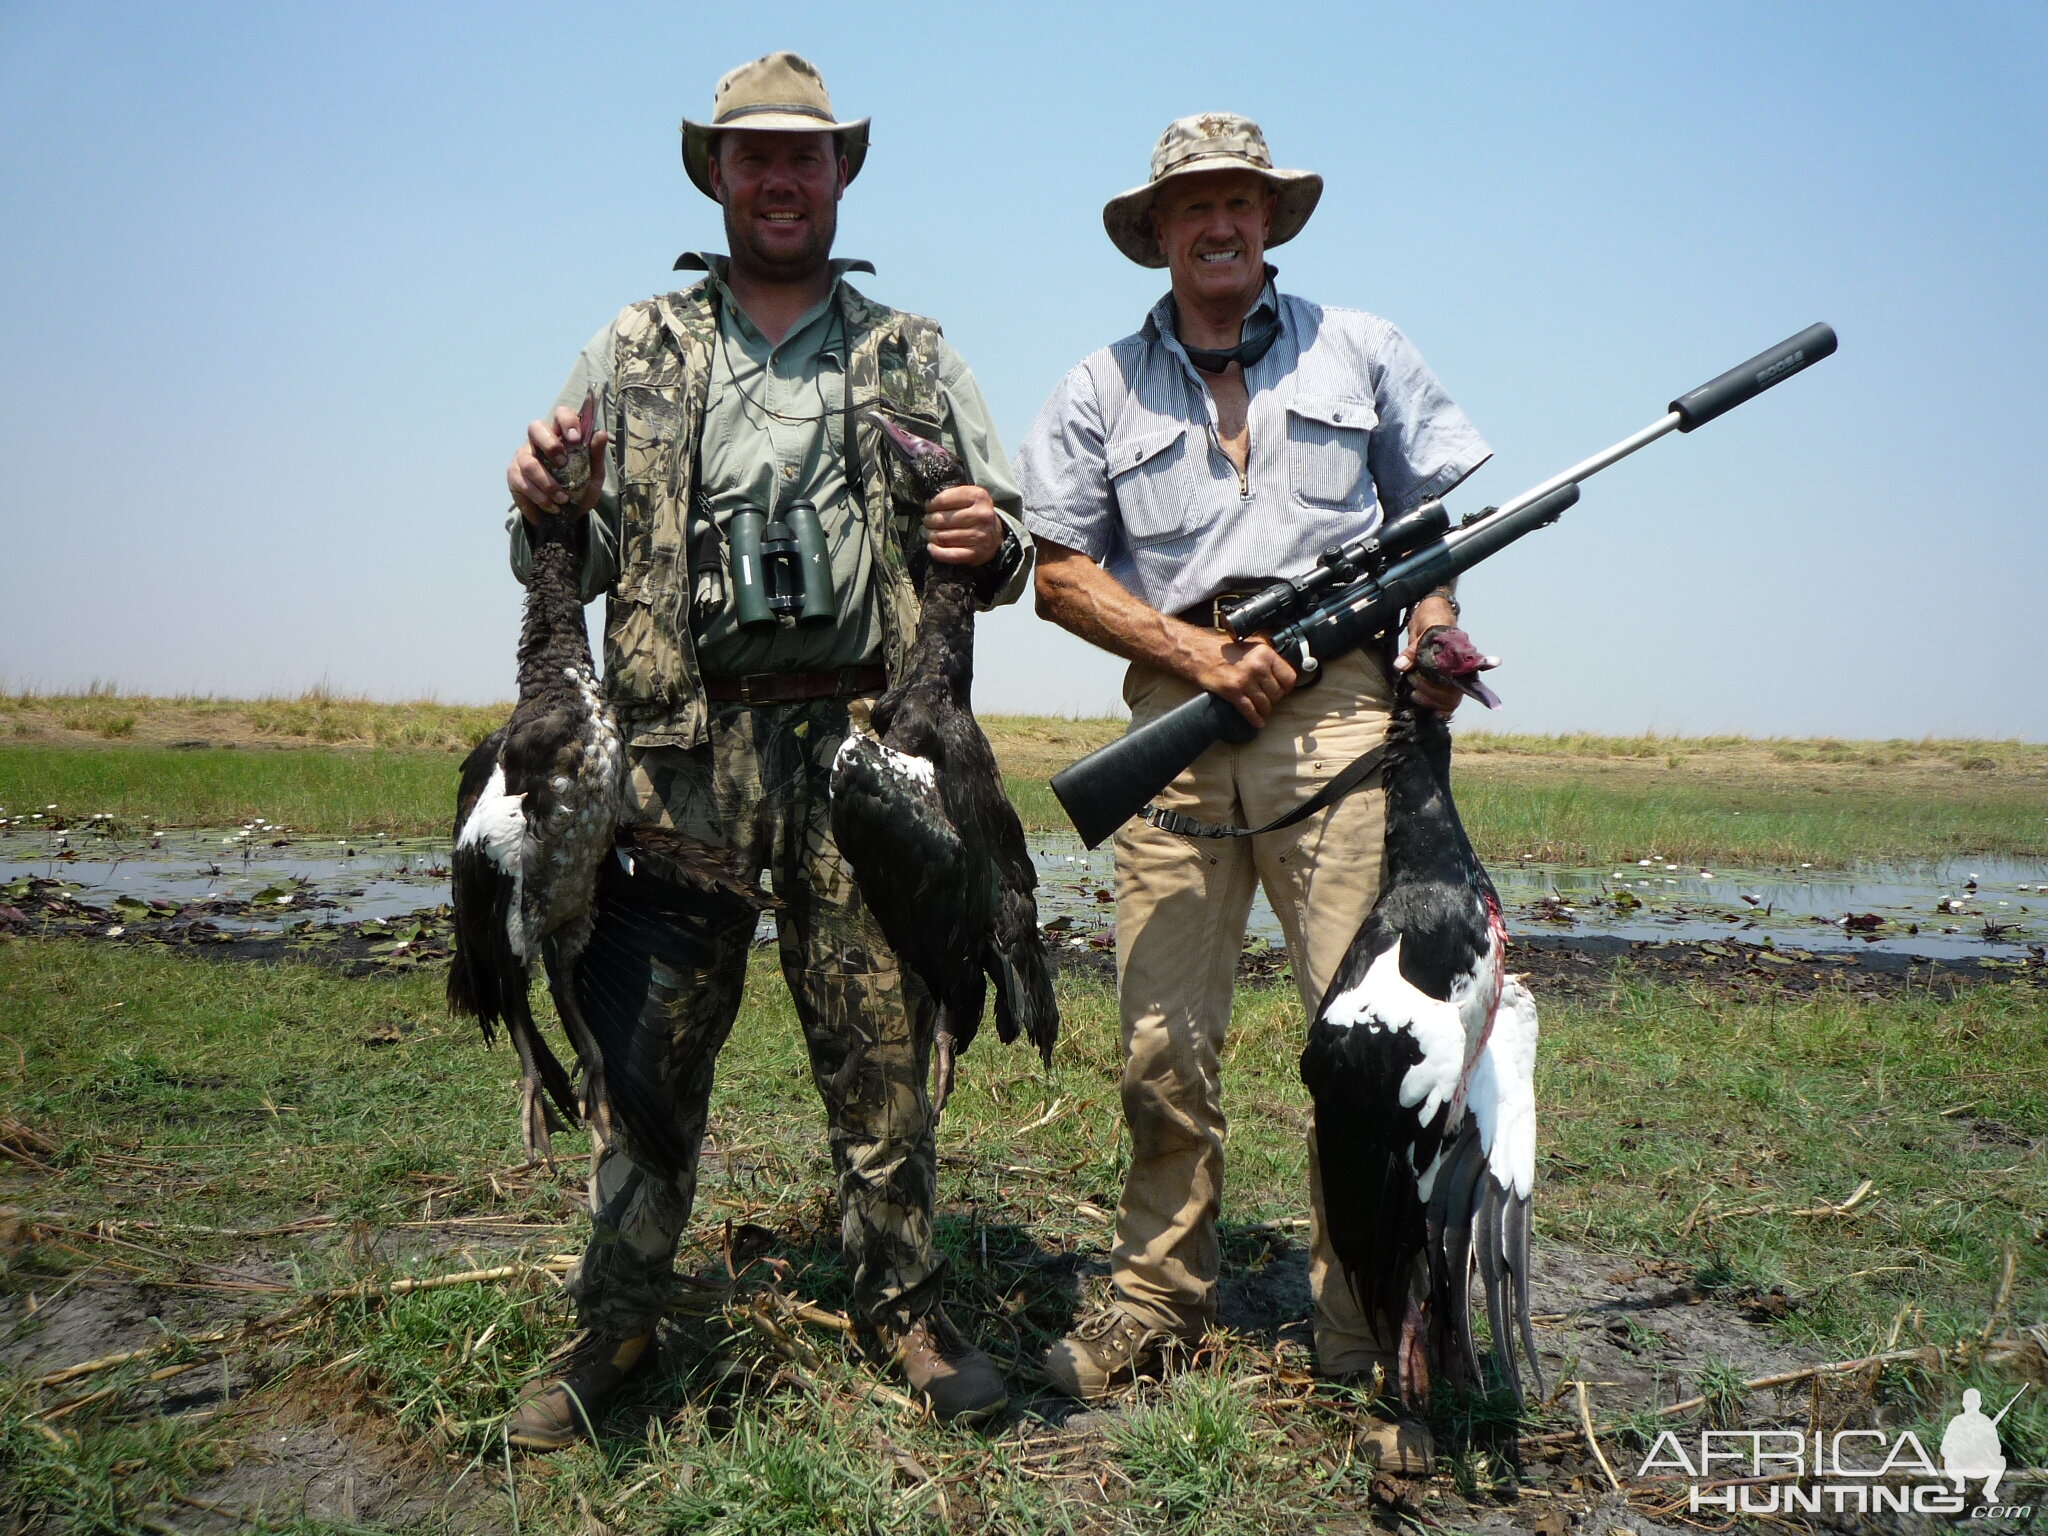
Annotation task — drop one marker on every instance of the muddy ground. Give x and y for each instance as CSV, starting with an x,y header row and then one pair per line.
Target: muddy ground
x,y
1633,1330
1636,1331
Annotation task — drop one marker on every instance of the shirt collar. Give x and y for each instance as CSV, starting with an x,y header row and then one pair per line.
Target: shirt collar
x,y
716,265
1159,323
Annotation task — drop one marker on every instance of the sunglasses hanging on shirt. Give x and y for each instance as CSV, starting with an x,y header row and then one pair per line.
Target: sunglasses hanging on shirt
x,y
1244,354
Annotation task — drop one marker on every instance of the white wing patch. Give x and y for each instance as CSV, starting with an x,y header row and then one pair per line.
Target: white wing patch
x,y
1386,1000
901,765
1503,1091
497,822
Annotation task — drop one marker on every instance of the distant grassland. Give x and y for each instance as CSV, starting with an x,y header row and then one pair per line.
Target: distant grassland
x,y
321,763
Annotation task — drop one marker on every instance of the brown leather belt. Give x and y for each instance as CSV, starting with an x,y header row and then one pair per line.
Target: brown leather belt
x,y
1209,614
795,687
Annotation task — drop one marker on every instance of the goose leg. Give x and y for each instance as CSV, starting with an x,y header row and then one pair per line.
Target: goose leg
x,y
592,1101
537,1119
942,1069
1412,1360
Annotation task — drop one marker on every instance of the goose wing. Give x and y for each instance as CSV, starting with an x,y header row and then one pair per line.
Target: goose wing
x,y
1014,955
1503,1104
1374,1035
650,911
490,972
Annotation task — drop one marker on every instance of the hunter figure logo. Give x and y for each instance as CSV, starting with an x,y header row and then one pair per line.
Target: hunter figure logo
x,y
1860,1471
1970,1448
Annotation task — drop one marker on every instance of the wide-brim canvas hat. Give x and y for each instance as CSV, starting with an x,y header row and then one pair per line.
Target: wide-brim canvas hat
x,y
782,91
1208,141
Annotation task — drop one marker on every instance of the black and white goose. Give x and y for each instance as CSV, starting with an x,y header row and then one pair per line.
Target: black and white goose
x,y
1421,1062
534,819
919,812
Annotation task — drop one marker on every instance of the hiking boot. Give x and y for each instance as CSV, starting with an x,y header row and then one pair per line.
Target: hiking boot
x,y
557,1406
1403,1447
959,1381
1107,1351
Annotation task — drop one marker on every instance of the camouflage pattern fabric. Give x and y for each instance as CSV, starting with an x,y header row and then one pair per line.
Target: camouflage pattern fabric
x,y
757,792
662,370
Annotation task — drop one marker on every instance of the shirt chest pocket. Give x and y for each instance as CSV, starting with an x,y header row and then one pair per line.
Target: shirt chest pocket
x,y
1327,441
1154,484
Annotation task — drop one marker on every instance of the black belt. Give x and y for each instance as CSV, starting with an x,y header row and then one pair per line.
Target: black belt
x,y
796,687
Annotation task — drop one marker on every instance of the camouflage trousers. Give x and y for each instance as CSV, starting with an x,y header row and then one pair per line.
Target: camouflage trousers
x,y
758,793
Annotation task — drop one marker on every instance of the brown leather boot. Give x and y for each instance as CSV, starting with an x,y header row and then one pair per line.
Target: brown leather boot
x,y
562,1403
1400,1444
1108,1350
1403,1447
961,1383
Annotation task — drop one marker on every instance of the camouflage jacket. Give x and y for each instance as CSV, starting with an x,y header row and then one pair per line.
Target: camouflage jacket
x,y
660,376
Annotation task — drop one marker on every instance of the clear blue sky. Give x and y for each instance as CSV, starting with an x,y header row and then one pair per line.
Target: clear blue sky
x,y
281,285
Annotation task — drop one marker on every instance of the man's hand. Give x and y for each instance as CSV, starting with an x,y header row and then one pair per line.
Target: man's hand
x,y
534,489
1431,695
962,526
1249,675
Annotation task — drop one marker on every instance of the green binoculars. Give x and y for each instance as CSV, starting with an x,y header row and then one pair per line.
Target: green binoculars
x,y
780,568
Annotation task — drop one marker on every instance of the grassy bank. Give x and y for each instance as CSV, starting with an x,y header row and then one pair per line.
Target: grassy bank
x,y
202,1143
308,791
1738,804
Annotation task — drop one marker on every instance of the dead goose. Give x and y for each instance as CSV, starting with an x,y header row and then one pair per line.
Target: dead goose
x,y
919,813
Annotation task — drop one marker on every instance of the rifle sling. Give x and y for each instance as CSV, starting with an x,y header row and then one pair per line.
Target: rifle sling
x,y
1365,766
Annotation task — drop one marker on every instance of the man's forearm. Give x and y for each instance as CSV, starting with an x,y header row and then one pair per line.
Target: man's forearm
x,y
1084,599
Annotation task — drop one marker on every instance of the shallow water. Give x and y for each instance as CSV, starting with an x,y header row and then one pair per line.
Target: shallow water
x,y
286,877
1801,907
289,878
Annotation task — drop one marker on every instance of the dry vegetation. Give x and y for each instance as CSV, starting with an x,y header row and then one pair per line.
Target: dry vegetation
x,y
1030,746
317,717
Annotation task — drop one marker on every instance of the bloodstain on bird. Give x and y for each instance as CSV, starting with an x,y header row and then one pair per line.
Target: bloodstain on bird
x,y
919,813
1421,1062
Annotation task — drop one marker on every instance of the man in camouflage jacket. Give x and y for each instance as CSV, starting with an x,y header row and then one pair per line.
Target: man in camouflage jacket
x,y
748,391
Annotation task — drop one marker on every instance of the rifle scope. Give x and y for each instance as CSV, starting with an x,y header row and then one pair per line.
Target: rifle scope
x,y
1366,555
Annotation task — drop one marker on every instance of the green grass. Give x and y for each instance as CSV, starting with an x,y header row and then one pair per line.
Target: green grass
x,y
1776,816
166,1094
1669,1105
1742,821
306,789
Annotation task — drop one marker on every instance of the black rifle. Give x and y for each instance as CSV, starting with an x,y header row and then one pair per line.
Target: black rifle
x,y
1361,589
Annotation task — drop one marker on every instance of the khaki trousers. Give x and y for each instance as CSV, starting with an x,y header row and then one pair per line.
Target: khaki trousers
x,y
1181,909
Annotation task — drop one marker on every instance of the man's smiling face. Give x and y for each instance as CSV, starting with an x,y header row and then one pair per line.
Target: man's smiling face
x,y
781,193
1212,226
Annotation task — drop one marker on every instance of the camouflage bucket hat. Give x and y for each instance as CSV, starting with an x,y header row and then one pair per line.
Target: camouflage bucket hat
x,y
1208,141
782,91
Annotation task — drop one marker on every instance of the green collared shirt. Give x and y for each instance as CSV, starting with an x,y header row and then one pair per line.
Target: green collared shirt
x,y
773,438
